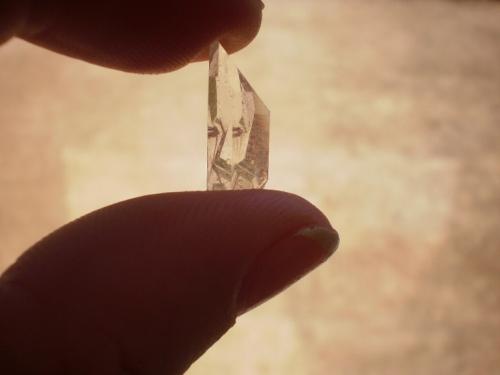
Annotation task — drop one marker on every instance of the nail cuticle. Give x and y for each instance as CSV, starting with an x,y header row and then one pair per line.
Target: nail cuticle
x,y
326,238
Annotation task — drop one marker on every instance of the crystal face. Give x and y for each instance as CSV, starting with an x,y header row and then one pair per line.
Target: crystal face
x,y
238,128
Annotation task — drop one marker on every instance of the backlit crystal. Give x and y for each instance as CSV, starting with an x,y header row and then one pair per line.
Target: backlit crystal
x,y
238,128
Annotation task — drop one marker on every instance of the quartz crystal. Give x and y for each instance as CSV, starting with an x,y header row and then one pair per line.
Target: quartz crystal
x,y
238,128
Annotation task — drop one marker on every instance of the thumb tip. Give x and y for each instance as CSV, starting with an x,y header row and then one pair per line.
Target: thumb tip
x,y
285,263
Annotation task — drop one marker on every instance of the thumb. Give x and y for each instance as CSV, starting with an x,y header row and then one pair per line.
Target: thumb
x,y
147,285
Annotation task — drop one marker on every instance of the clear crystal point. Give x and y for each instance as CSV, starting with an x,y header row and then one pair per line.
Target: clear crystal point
x,y
238,128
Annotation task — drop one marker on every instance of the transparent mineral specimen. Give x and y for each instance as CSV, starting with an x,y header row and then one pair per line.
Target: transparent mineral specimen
x,y
238,128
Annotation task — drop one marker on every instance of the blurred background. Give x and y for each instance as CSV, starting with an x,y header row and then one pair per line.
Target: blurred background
x,y
385,114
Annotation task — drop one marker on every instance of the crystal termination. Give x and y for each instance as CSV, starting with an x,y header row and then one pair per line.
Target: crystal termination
x,y
238,128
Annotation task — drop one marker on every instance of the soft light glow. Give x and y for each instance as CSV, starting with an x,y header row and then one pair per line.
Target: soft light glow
x,y
385,115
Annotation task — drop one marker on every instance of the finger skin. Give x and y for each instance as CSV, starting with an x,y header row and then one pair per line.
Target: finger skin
x,y
147,36
144,286
12,18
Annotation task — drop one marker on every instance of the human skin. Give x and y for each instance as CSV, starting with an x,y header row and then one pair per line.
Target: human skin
x,y
145,286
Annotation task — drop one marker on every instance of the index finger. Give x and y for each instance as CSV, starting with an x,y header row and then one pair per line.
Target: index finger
x,y
147,36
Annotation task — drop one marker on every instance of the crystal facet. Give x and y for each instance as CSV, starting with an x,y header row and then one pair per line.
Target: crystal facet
x,y
238,128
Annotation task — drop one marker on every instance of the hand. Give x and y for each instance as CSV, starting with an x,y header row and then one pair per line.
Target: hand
x,y
145,36
147,285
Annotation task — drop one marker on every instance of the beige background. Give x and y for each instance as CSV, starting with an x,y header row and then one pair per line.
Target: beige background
x,y
386,114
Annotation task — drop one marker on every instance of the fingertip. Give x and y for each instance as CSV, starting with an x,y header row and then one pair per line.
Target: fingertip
x,y
152,37
165,276
286,262
247,24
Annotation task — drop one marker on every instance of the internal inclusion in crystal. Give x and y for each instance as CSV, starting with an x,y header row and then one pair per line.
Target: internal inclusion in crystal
x,y
238,128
